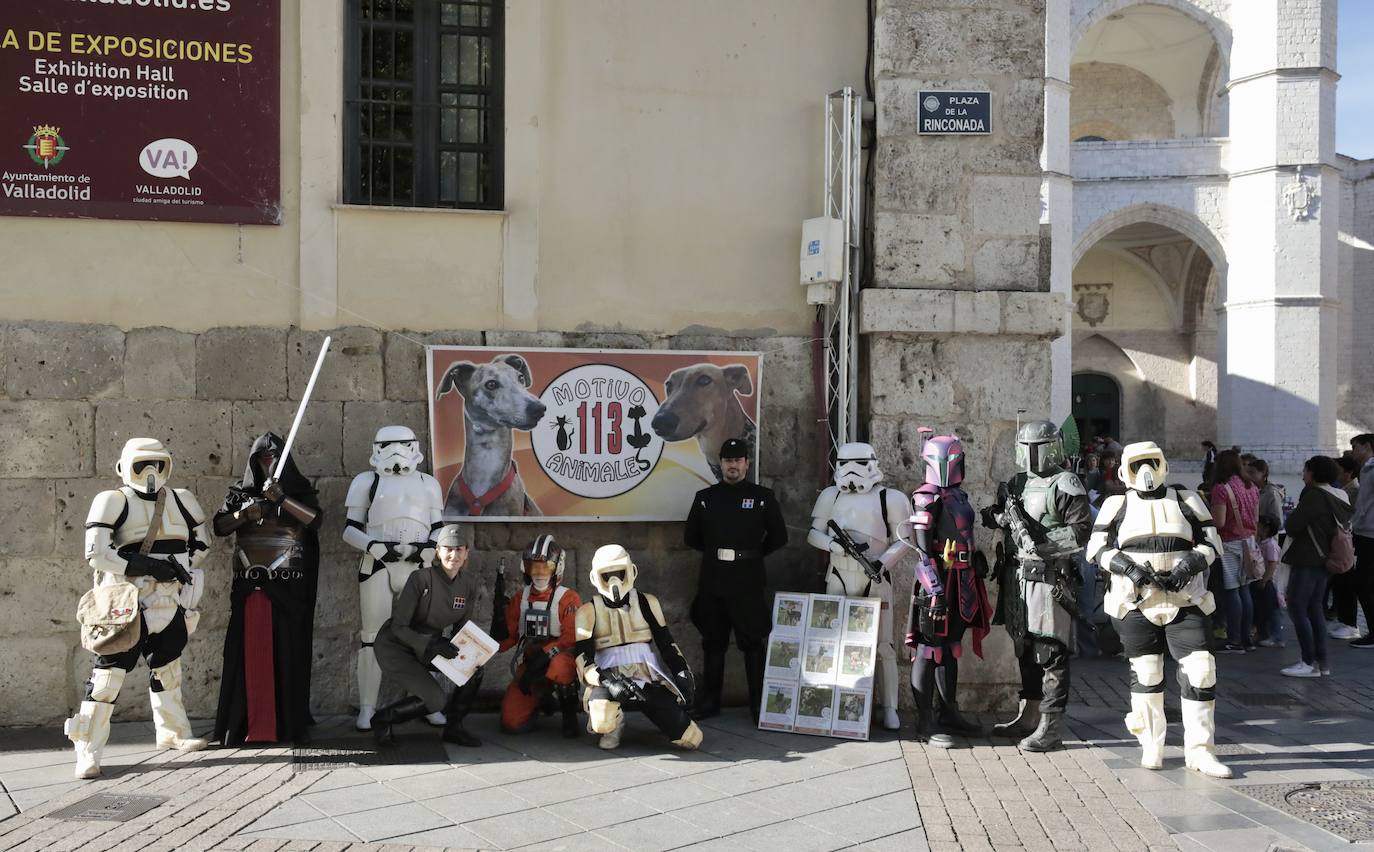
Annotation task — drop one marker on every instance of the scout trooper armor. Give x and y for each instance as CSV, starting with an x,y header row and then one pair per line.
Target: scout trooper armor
x,y
169,587
627,658
394,511
872,516
1156,543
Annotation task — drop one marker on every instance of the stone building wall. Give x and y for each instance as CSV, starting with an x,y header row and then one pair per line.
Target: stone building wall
x,y
74,393
1118,103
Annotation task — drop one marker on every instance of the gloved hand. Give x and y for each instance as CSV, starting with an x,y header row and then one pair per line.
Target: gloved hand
x,y
274,493
440,647
251,512
384,551
622,688
535,667
1186,567
423,552
939,607
989,515
162,570
835,548
1127,567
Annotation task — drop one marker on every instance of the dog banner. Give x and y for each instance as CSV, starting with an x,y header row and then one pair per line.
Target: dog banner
x,y
585,434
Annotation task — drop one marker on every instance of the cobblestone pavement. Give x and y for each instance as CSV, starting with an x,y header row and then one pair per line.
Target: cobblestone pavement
x,y
746,790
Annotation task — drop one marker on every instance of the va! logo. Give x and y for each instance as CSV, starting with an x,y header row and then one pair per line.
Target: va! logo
x,y
46,147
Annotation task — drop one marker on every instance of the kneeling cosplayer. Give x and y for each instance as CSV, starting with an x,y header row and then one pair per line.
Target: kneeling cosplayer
x,y
152,536
1156,542
627,658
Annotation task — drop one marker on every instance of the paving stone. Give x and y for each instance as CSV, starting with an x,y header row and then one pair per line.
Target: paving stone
x,y
523,828
655,833
320,829
477,804
673,794
391,821
447,837
354,799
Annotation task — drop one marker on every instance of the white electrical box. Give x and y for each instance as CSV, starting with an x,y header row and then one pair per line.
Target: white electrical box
x,y
822,251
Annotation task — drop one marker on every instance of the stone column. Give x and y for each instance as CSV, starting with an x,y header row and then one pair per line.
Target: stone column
x,y
957,328
1279,320
1057,195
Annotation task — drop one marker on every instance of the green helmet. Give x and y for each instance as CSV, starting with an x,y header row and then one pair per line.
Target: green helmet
x,y
1039,447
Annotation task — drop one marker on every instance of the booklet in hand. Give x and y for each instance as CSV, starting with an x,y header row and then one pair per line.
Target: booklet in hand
x,y
474,646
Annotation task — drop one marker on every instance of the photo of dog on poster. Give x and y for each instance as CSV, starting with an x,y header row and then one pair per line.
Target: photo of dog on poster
x,y
702,401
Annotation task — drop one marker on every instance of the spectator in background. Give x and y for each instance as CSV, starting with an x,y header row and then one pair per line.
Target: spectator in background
x,y
1309,527
1362,525
1209,463
1350,475
1271,495
1235,508
1265,593
1345,587
1092,473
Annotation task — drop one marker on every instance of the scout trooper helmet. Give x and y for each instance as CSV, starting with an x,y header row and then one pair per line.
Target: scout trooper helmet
x,y
395,451
856,468
613,572
1143,467
144,465
1039,446
543,549
944,457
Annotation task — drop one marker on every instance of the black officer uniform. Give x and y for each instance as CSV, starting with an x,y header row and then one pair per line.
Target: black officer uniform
x,y
734,527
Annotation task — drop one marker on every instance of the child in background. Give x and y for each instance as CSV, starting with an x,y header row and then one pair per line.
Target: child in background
x,y
1265,593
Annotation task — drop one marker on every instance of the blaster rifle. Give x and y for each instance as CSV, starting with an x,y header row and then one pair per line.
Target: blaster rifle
x,y
500,631
622,688
872,567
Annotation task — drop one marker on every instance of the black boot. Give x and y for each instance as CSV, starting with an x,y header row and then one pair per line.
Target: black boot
x,y
923,689
753,673
1027,719
404,710
568,704
459,705
947,684
712,682
1048,734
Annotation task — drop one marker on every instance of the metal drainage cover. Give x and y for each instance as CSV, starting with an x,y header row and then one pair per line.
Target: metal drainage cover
x,y
338,754
1344,808
109,806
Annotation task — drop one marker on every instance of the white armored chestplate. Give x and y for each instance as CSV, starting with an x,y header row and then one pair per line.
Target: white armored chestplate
x,y
140,516
1154,519
401,509
861,515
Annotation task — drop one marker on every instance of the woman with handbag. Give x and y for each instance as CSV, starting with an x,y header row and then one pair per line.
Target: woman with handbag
x,y
1310,527
1235,507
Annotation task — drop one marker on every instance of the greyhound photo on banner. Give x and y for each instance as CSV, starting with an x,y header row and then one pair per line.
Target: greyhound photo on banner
x,y
585,434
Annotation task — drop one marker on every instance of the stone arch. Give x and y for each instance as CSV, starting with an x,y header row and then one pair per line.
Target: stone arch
x,y
1182,221
1142,414
1162,289
1098,109
1220,30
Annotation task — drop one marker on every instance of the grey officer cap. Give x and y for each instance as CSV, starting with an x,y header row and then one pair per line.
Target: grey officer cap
x,y
453,535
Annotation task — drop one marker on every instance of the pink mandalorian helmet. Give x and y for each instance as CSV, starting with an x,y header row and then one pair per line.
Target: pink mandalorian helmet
x,y
944,455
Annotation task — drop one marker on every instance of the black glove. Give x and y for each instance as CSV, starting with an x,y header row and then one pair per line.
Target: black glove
x,y
980,565
535,667
1126,567
622,688
1186,567
251,511
384,551
419,548
440,647
274,493
938,607
989,515
162,570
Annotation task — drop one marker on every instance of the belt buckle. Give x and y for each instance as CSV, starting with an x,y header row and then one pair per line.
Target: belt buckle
x,y
725,554
963,556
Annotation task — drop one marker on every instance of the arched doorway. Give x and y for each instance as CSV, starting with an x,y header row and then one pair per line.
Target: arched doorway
x,y
1096,406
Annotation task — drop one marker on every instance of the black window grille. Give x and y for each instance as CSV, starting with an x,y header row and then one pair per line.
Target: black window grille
x,y
423,123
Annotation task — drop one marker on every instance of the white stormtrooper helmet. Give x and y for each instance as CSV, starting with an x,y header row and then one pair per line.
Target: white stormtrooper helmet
x,y
613,572
856,468
1143,467
395,451
144,465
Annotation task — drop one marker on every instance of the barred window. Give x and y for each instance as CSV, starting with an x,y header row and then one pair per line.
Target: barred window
x,y
423,124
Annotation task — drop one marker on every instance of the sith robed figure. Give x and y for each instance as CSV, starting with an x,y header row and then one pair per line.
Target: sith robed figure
x,y
394,510
1045,517
264,693
1156,543
152,536
540,623
627,658
948,596
870,517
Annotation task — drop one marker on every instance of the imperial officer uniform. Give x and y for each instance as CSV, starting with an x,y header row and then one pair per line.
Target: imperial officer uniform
x,y
734,525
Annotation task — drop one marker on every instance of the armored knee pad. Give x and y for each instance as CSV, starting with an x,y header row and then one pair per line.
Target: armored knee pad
x,y
604,715
165,678
1197,675
1148,672
105,685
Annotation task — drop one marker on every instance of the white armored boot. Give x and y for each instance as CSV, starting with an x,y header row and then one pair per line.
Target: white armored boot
x,y
1199,727
169,713
89,730
1146,721
369,686
611,739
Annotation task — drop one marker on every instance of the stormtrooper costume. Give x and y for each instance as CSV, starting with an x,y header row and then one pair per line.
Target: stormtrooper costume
x,y
116,527
394,511
1039,580
1156,543
627,659
948,595
872,516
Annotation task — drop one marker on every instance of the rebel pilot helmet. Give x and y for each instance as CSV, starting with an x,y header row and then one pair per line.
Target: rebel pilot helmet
x,y
144,465
395,451
543,549
856,468
1039,447
613,572
1143,467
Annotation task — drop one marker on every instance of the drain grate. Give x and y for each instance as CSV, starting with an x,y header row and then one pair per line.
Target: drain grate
x,y
338,754
1344,808
109,806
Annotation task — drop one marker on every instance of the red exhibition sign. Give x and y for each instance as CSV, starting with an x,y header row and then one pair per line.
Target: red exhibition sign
x,y
141,109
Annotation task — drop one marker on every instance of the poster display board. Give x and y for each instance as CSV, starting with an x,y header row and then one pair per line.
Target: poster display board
x,y
585,434
156,109
819,665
